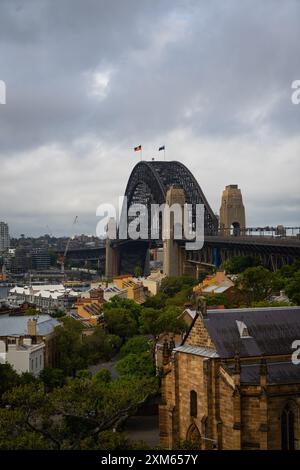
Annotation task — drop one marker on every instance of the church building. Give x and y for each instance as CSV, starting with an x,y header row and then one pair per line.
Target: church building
x,y
234,382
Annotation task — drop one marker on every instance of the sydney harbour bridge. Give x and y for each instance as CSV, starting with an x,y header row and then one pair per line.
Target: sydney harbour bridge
x,y
158,182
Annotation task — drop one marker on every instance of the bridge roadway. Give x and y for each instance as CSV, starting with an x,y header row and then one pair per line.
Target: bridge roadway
x,y
273,252
291,244
254,240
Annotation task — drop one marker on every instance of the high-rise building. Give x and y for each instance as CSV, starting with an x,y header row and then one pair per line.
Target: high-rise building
x,y
4,236
40,259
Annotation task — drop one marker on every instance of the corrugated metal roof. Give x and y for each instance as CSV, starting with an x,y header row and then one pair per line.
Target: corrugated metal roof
x,y
221,289
198,351
209,288
17,325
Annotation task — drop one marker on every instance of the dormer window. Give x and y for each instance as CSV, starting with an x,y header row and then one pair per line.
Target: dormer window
x,y
243,329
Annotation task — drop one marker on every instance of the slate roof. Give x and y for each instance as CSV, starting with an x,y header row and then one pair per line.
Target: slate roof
x,y
271,330
277,373
17,325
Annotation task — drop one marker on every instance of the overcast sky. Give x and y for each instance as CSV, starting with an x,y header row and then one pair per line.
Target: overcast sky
x,y
87,80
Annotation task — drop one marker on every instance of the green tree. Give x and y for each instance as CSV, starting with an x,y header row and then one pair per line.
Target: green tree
x,y
70,346
58,314
217,299
83,374
70,416
239,264
136,345
31,311
90,407
138,271
8,378
121,322
171,285
181,297
52,378
117,302
100,345
155,323
26,420
256,284
103,375
140,365
157,301
292,288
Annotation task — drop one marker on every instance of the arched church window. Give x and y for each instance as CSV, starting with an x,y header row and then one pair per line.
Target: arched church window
x,y
287,428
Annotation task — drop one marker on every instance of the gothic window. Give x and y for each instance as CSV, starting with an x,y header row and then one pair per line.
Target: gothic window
x,y
193,437
287,428
193,404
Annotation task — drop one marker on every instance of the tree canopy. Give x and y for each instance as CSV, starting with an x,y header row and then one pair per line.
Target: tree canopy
x,y
68,417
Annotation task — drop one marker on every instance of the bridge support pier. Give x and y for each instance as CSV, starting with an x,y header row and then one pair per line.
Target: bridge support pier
x,y
147,263
111,260
174,255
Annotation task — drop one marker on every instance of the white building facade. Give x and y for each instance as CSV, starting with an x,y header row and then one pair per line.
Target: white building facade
x,y
23,356
46,298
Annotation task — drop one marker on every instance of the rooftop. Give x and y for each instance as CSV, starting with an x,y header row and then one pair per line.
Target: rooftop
x,y
44,291
270,330
17,325
277,373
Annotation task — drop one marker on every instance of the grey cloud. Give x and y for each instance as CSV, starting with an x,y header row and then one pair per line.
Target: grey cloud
x,y
221,70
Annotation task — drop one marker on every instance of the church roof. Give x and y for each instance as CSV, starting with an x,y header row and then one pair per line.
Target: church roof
x,y
277,373
196,350
271,331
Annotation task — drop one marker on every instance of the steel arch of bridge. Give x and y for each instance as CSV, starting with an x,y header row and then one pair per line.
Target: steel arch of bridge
x,y
149,182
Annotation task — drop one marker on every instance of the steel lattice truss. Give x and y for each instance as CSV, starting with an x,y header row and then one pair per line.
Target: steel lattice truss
x,y
149,182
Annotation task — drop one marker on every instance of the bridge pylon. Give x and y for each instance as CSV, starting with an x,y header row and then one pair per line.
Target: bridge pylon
x,y
232,211
111,254
173,254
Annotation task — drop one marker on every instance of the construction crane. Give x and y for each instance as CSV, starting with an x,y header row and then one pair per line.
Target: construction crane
x,y
62,259
49,231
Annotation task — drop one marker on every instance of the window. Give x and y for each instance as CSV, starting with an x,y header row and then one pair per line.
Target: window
x,y
36,362
40,360
193,404
194,437
243,329
287,428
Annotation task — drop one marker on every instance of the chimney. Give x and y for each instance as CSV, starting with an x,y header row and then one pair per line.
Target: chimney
x,y
31,327
201,306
